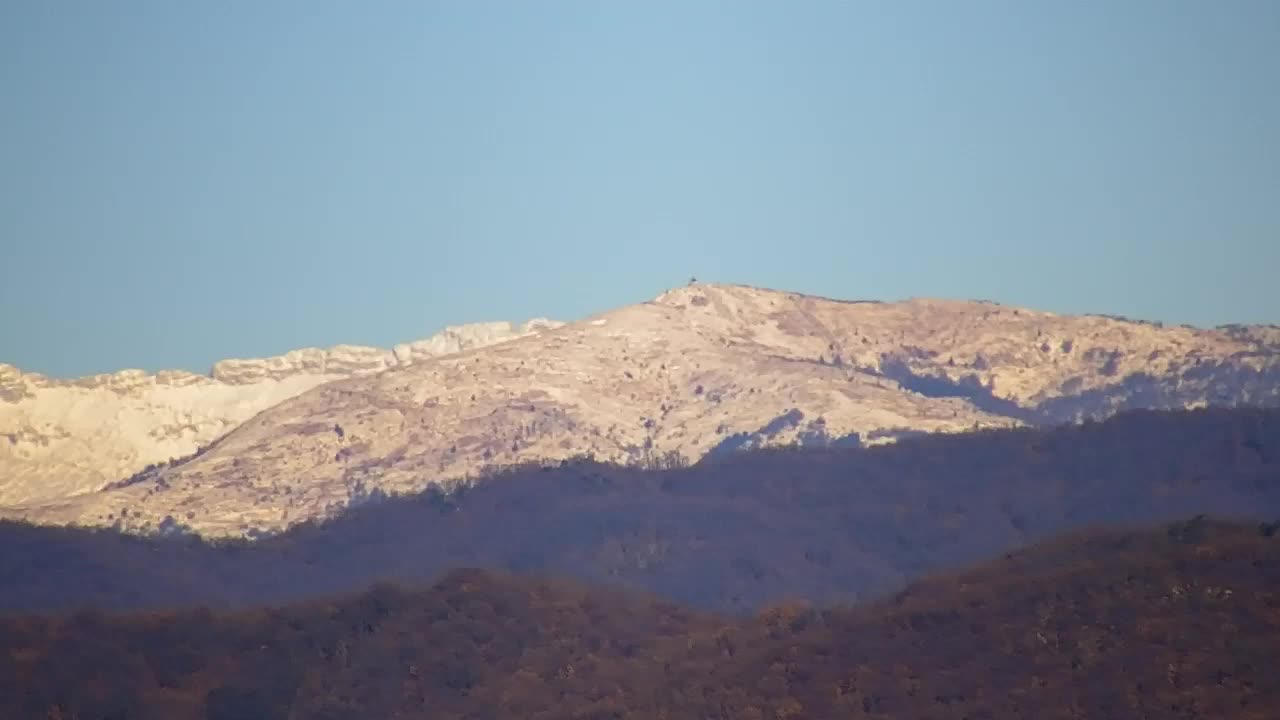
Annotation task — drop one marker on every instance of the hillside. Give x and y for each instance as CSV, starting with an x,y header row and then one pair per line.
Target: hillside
x,y
62,438
700,370
731,534
1176,622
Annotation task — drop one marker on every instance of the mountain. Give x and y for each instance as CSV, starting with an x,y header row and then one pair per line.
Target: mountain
x,y
699,371
1173,622
61,438
832,525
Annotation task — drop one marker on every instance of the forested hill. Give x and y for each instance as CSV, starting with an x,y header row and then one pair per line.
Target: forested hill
x,y
827,525
1182,621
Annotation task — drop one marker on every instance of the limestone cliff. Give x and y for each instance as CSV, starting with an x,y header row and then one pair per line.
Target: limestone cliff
x,y
698,371
61,438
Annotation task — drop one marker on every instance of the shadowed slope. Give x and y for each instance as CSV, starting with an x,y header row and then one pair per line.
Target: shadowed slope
x,y
829,525
695,371
1178,622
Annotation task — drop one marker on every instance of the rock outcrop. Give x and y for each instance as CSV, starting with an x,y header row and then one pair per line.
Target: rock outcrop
x,y
62,438
698,371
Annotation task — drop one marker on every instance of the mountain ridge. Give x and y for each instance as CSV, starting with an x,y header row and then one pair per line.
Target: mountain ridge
x,y
1176,620
696,371
731,533
62,437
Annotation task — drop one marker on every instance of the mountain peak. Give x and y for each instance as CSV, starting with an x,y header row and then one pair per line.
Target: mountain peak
x,y
65,437
698,371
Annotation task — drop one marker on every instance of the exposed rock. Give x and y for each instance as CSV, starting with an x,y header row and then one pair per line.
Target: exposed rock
x,y
346,360
699,370
62,438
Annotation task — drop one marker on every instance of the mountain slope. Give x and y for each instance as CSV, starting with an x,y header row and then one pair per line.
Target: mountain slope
x,y
1178,622
60,438
699,370
830,525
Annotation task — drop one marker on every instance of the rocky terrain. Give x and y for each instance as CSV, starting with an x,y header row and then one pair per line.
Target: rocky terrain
x,y
829,525
61,438
698,371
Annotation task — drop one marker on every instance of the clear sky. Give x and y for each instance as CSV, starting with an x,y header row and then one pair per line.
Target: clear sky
x,y
182,181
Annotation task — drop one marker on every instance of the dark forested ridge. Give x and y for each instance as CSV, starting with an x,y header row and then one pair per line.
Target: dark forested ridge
x,y
828,525
1182,621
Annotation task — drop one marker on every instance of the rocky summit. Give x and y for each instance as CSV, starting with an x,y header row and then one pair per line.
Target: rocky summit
x,y
698,371
61,438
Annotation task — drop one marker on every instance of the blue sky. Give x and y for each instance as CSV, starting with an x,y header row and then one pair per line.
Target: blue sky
x,y
187,181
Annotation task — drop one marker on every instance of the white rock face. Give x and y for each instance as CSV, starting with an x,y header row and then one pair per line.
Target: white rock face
x,y
344,360
63,438
696,371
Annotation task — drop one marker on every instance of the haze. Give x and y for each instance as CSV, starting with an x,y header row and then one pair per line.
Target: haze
x,y
183,182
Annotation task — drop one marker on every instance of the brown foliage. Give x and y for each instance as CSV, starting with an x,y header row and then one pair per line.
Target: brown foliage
x,y
1178,622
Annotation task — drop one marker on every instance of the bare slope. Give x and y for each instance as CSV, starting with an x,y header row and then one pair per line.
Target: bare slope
x,y
698,370
60,438
826,524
